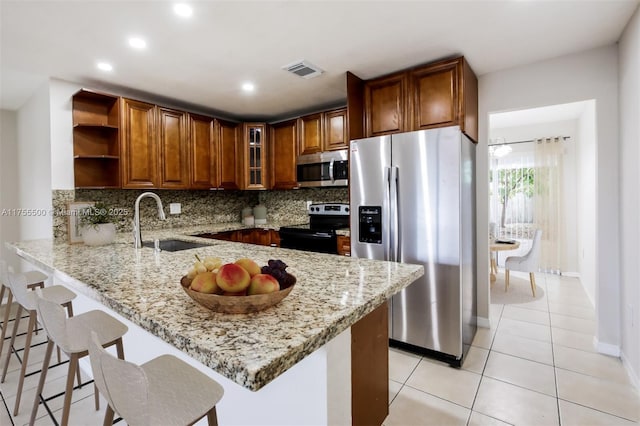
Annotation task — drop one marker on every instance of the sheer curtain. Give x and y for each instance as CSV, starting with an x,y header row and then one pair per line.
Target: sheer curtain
x,y
549,201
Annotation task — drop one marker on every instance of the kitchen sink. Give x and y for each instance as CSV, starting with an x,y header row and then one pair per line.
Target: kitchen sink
x,y
175,245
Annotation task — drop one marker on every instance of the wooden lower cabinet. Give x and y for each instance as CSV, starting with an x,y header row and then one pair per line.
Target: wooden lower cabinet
x,y
344,245
259,236
370,368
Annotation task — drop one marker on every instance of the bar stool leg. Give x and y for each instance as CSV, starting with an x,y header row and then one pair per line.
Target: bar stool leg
x,y
25,359
73,365
212,417
5,321
108,416
43,376
16,323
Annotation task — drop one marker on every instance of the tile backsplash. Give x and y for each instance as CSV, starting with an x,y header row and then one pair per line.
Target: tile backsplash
x,y
198,207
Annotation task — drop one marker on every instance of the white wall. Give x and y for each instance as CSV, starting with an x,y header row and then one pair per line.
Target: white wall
x,y
569,263
629,75
34,165
60,93
592,74
586,221
9,197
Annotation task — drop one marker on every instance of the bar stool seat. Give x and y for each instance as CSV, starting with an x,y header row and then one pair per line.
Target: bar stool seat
x,y
73,336
34,279
27,301
165,390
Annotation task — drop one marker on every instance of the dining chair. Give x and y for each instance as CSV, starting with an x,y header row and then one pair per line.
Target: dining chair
x,y
164,390
34,279
527,263
27,301
73,335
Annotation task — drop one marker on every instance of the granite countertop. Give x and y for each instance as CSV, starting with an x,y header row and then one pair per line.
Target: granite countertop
x,y
333,292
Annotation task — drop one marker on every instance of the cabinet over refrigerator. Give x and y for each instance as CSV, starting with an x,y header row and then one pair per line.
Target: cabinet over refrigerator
x,y
412,200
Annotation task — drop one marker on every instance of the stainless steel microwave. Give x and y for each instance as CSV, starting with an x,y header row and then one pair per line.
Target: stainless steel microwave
x,y
323,169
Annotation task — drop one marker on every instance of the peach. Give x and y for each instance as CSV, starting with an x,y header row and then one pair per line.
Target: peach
x,y
263,284
248,264
204,282
233,278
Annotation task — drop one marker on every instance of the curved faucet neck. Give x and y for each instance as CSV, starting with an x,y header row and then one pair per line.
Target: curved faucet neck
x,y
137,232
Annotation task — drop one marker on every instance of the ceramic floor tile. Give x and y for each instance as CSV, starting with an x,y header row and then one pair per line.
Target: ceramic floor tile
x,y
524,329
576,297
394,388
478,419
572,339
572,310
401,364
577,415
475,359
602,395
452,384
516,405
527,315
534,350
521,372
413,407
483,337
83,412
592,364
580,325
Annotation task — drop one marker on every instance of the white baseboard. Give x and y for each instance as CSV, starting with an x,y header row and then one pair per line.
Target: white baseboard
x,y
633,375
483,322
571,274
606,348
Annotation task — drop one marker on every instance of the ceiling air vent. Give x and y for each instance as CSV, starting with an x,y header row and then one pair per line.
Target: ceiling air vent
x,y
303,69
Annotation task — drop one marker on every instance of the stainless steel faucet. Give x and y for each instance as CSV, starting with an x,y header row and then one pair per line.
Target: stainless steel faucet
x,y
137,234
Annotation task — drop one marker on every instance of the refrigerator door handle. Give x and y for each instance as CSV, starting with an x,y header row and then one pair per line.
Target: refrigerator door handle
x,y
393,208
386,236
331,170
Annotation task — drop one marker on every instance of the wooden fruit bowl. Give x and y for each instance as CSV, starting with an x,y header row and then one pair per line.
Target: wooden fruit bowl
x,y
236,304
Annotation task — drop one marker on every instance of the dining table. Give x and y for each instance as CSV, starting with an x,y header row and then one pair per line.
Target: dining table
x,y
495,246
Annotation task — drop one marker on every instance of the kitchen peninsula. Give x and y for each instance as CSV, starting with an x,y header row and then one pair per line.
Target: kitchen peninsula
x,y
290,364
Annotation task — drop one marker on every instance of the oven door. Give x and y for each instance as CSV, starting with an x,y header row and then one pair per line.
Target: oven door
x,y
307,240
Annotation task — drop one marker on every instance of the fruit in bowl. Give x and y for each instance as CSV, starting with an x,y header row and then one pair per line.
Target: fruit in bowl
x,y
255,288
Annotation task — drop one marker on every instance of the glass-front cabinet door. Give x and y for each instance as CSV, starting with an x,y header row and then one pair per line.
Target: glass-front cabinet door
x,y
255,173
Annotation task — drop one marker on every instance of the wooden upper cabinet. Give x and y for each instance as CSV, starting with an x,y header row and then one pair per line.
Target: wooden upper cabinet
x,y
335,130
253,166
310,133
139,153
230,158
435,96
283,154
385,105
204,152
173,143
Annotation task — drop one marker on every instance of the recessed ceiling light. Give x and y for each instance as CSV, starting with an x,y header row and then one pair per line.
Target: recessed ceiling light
x,y
104,66
137,42
248,87
183,9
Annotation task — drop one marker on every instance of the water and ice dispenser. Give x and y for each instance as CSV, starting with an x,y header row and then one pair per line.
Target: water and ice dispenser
x,y
370,224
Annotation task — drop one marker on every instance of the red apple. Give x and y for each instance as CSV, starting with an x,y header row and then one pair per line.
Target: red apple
x,y
263,284
233,278
204,282
248,264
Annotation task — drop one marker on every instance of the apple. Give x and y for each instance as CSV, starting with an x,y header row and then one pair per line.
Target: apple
x,y
232,278
248,264
263,284
204,282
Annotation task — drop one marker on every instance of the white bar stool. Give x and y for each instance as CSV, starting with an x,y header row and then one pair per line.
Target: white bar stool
x,y
163,391
34,279
72,335
27,300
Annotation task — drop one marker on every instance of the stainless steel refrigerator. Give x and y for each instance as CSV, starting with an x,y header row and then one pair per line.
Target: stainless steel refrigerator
x,y
412,200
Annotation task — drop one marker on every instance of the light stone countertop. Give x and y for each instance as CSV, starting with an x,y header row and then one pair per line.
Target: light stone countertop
x,y
332,293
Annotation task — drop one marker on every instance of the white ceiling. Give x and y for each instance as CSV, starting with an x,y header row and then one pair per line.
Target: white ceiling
x,y
202,61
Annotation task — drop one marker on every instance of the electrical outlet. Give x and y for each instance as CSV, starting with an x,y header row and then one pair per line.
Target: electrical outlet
x,y
309,204
175,208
